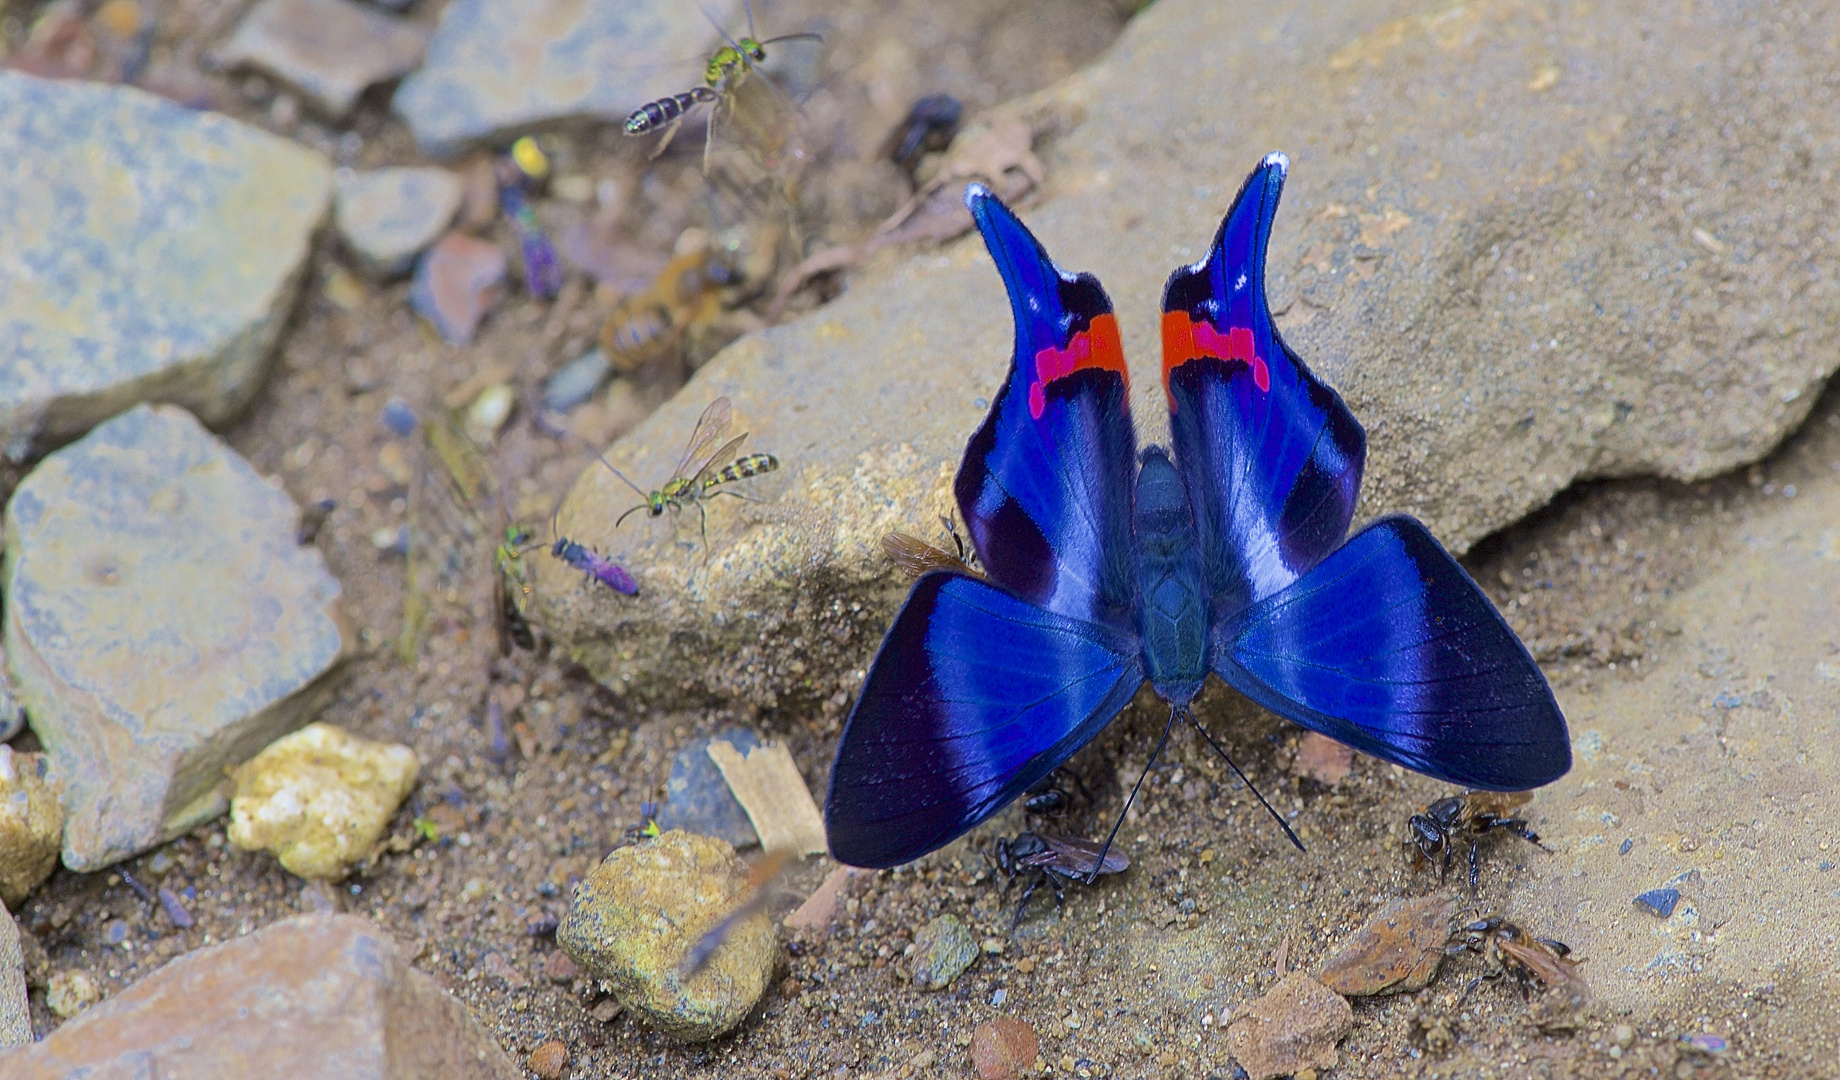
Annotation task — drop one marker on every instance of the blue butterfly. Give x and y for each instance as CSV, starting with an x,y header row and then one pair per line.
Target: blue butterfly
x,y
1107,567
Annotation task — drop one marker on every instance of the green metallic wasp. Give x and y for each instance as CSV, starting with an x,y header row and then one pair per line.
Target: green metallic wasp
x,y
697,474
513,587
741,96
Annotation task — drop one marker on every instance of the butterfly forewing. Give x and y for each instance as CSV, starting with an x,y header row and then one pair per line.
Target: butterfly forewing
x,y
1270,455
1045,485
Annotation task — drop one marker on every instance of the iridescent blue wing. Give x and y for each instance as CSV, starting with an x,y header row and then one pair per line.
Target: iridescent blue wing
x,y
1045,486
975,696
1270,455
1388,646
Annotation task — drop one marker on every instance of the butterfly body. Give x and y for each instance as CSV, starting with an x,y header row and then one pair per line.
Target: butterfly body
x,y
1174,620
1227,553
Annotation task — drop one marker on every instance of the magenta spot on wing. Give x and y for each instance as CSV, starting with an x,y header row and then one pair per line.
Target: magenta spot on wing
x,y
1038,400
1235,344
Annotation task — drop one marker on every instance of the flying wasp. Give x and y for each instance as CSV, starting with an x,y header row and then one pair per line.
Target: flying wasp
x,y
697,473
649,325
741,96
1470,816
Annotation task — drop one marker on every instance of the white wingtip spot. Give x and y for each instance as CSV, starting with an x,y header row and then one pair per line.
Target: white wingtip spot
x,y
1278,160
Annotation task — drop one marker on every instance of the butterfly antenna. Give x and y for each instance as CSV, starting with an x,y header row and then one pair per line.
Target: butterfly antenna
x,y
1093,874
1282,824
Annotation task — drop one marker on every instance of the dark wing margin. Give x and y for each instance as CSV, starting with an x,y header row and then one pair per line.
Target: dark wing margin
x,y
1389,647
1270,455
1045,485
975,696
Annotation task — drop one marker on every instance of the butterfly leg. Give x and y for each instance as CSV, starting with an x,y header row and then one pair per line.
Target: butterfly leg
x,y
1475,870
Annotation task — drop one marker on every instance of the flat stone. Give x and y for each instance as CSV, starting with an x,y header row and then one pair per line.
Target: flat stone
x,y
162,623
943,948
386,217
15,1007
456,283
697,798
31,824
319,798
318,997
641,910
498,66
1398,950
1420,254
1295,1026
148,252
327,50
1002,1048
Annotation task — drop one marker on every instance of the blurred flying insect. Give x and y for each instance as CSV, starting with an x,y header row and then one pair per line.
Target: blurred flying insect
x,y
450,484
1470,816
740,95
697,473
650,325
520,173
513,590
917,557
1054,861
761,877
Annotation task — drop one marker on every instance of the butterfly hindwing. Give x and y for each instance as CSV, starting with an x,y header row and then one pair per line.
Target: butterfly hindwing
x,y
1045,485
975,695
1270,455
1388,646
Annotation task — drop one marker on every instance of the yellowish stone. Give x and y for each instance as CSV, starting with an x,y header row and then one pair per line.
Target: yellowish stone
x,y
319,798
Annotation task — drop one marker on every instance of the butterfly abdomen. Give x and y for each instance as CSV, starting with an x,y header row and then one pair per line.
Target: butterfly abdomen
x,y
1170,575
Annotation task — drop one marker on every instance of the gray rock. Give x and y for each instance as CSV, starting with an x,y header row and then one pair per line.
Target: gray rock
x,y
12,717
640,911
1424,246
576,381
15,1008
147,252
942,950
698,799
318,997
497,66
387,216
327,50
162,624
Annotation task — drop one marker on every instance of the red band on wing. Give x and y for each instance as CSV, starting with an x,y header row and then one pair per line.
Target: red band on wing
x,y
1098,346
1185,339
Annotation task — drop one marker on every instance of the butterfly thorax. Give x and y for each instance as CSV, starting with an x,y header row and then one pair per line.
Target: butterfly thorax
x,y
1171,575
